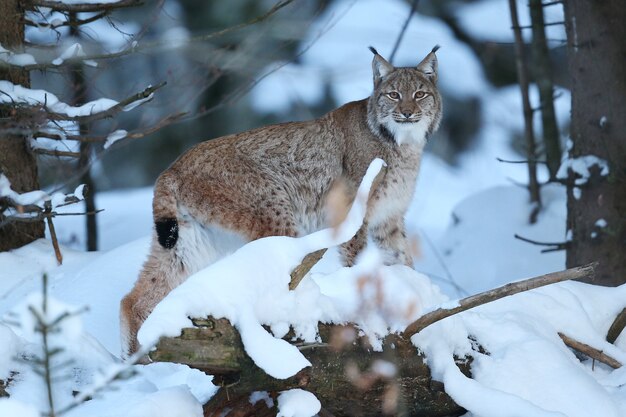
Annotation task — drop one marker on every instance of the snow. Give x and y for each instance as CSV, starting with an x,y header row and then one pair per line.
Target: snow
x,y
527,366
463,219
16,59
11,407
297,403
18,94
114,137
74,51
36,197
581,166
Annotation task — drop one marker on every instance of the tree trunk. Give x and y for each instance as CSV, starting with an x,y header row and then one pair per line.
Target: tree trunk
x,y
596,36
341,376
542,72
79,85
17,161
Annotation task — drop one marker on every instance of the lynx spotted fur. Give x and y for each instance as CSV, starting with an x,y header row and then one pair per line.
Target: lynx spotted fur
x,y
275,180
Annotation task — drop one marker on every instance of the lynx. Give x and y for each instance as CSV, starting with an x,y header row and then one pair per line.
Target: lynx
x,y
276,180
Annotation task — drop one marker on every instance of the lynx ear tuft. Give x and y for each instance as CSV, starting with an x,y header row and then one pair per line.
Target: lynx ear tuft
x,y
428,66
380,66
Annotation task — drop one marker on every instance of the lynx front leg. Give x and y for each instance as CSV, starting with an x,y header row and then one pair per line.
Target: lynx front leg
x,y
353,247
390,237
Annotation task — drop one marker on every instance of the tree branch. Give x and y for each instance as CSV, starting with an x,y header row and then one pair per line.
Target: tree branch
x,y
144,95
555,245
467,303
133,47
60,6
301,270
592,352
57,153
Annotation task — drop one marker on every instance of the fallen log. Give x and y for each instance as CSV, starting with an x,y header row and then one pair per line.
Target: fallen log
x,y
347,375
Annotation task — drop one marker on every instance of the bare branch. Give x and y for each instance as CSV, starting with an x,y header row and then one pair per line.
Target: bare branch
x,y
592,352
53,234
80,7
526,161
555,246
467,303
74,23
57,153
301,270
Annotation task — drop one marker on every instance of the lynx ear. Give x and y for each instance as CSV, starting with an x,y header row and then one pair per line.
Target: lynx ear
x,y
380,66
429,65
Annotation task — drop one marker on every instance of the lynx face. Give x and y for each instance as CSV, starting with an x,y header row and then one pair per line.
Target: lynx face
x,y
406,105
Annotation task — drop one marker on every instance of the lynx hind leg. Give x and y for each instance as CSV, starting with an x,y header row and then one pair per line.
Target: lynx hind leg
x,y
155,281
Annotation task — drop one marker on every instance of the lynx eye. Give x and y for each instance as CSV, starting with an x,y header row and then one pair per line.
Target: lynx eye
x,y
394,95
419,95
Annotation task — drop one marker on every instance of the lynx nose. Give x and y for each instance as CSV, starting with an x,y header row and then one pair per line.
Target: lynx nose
x,y
407,115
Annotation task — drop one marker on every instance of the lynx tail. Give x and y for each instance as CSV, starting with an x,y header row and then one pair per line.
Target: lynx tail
x,y
165,212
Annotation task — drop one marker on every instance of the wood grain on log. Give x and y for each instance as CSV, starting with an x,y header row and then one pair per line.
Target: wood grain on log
x,y
342,375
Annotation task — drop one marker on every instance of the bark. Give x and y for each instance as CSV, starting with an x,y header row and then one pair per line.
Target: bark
x,y
84,161
340,377
542,71
17,161
596,36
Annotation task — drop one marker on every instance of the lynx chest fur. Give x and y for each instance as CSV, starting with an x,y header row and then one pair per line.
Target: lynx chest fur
x,y
276,180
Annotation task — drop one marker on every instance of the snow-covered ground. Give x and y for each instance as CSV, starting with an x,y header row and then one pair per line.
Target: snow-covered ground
x,y
462,219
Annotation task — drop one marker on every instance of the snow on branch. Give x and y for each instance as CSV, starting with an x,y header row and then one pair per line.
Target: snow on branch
x,y
35,206
57,110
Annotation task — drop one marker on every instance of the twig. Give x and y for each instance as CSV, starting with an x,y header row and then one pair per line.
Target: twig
x,y
545,24
305,266
77,22
403,30
526,161
555,245
53,233
592,352
617,327
467,303
57,153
